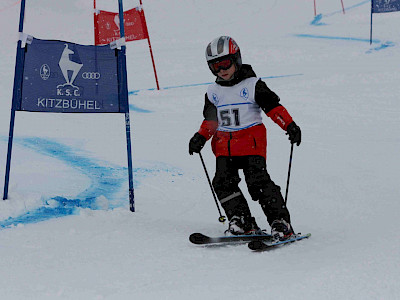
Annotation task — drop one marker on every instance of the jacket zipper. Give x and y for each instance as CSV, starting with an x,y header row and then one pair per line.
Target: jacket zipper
x,y
229,143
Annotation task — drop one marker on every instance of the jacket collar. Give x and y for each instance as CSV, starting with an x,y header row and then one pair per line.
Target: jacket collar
x,y
245,71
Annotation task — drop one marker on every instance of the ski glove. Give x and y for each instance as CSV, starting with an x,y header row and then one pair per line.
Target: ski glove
x,y
196,143
294,133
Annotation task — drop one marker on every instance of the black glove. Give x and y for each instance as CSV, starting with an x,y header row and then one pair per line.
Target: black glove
x,y
294,133
196,143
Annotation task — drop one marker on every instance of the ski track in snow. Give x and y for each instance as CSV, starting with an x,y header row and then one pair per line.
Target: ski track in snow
x,y
105,182
135,92
381,46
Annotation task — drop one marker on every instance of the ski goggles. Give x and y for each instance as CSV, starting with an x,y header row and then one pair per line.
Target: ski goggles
x,y
221,65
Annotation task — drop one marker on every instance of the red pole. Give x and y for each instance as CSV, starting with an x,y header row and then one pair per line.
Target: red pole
x,y
343,7
151,51
315,8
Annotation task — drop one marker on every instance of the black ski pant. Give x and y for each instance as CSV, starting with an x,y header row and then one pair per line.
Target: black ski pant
x,y
259,184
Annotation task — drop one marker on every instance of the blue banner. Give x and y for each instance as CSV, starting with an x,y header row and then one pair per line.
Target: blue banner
x,y
384,6
66,77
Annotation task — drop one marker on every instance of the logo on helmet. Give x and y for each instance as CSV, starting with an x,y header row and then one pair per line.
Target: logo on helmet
x,y
233,47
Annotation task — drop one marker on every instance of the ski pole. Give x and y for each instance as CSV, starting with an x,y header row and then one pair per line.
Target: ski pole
x,y
221,217
288,178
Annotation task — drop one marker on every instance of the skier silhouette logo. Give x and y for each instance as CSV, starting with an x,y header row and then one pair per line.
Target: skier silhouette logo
x,y
45,72
116,21
244,93
66,64
215,98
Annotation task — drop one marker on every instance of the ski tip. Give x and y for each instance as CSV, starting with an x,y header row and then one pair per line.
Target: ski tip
x,y
255,245
304,236
197,238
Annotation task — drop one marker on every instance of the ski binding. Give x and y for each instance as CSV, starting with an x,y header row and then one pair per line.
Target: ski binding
x,y
263,245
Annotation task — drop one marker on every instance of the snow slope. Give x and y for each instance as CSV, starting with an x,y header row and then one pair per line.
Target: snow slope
x,y
66,231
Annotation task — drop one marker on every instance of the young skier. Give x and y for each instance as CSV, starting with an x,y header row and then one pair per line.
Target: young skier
x,y
232,117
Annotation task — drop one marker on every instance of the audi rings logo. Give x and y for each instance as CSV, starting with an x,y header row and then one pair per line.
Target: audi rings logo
x,y
91,75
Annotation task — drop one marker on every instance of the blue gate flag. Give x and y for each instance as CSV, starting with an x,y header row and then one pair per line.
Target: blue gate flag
x,y
67,78
57,76
384,6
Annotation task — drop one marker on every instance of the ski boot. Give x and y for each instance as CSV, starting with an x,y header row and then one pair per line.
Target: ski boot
x,y
281,230
243,226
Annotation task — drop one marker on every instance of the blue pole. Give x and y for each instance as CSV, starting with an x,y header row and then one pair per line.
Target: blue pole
x,y
370,34
124,93
19,68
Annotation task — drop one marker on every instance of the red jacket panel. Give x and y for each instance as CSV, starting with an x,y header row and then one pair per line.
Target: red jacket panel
x,y
250,141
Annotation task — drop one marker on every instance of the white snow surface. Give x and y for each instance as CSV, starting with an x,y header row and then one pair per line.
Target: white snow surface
x,y
342,92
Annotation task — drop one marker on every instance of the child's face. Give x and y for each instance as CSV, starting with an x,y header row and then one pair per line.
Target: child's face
x,y
227,74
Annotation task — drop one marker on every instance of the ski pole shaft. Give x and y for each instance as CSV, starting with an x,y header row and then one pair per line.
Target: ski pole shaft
x,y
221,217
288,178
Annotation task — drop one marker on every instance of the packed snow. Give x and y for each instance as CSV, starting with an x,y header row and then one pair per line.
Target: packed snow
x,y
66,231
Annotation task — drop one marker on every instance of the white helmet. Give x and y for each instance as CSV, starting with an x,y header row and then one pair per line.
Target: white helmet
x,y
223,48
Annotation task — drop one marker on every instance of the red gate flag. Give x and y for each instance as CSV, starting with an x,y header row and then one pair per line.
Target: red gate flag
x,y
107,26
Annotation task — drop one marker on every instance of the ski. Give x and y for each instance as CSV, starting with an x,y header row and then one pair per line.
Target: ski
x,y
201,239
263,245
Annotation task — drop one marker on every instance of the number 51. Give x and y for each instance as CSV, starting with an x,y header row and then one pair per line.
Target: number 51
x,y
229,115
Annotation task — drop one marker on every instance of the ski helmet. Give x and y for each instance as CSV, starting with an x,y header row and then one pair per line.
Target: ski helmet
x,y
221,49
